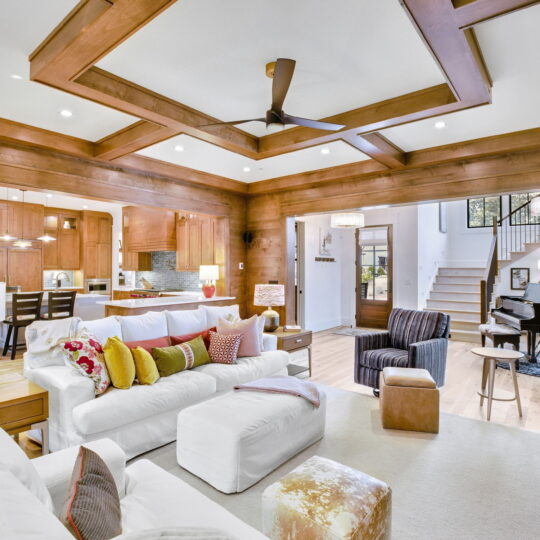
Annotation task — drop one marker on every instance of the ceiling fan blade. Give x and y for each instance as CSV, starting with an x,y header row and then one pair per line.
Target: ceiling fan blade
x,y
234,122
306,122
283,73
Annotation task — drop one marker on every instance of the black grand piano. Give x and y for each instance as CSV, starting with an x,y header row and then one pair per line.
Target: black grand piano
x,y
523,314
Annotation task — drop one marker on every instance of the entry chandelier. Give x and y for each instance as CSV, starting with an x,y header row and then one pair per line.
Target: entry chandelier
x,y
350,220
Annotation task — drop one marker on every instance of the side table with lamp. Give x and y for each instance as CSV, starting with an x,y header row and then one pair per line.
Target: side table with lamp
x,y
290,340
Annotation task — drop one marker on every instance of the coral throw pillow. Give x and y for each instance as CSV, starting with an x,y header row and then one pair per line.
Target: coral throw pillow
x,y
224,348
146,370
92,510
205,334
85,354
149,344
248,329
120,363
170,360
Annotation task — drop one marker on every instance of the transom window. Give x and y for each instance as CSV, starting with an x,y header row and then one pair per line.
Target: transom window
x,y
480,212
522,216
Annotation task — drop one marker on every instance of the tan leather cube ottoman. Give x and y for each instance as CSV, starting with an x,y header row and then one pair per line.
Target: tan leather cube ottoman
x,y
325,500
409,400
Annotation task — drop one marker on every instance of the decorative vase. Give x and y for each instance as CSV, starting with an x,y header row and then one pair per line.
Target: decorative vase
x,y
208,290
271,322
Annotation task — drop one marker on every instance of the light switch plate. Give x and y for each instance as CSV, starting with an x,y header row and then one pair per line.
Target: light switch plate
x,y
240,266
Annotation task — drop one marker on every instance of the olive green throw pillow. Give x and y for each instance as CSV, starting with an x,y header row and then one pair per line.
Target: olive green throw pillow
x,y
177,358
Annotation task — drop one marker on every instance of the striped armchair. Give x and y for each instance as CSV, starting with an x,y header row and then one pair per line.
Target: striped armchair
x,y
416,339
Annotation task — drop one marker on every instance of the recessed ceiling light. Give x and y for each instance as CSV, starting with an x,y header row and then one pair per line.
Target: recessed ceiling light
x,y
14,198
440,124
15,76
85,206
246,169
66,113
48,195
179,148
325,151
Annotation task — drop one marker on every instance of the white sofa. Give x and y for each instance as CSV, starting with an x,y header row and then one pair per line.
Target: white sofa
x,y
32,493
143,417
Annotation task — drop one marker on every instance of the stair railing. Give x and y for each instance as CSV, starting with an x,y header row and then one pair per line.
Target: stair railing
x,y
487,283
516,230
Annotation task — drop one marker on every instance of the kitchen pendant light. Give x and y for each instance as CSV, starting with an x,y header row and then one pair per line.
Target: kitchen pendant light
x,y
46,237
5,236
22,243
349,220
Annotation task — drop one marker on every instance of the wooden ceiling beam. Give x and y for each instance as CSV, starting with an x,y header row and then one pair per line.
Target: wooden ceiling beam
x,y
130,139
391,112
378,148
467,13
509,143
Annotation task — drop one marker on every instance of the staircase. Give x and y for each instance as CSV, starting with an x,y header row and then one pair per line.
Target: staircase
x,y
456,292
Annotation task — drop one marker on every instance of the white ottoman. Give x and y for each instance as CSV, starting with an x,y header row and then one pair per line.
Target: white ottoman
x,y
234,440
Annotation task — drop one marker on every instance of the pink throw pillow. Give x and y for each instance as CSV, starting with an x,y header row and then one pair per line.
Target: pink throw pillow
x,y
149,344
248,329
223,348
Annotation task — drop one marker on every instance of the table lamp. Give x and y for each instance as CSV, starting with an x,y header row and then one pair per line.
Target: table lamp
x,y
270,295
209,273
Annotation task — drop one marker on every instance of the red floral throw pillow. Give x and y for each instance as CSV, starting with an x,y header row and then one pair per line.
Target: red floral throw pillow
x,y
224,349
85,354
205,334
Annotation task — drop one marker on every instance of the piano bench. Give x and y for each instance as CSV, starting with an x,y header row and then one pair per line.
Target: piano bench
x,y
500,334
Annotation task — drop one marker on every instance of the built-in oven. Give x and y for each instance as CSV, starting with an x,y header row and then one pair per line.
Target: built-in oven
x,y
97,286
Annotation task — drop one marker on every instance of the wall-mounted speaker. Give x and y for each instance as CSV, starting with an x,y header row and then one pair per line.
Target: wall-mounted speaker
x,y
247,236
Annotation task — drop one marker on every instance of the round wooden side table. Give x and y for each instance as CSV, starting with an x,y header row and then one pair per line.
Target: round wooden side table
x,y
491,356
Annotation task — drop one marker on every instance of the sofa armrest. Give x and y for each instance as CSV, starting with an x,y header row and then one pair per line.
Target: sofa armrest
x,y
430,355
67,389
56,469
269,342
370,341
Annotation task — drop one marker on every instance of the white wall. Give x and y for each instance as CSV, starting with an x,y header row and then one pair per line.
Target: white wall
x,y
432,249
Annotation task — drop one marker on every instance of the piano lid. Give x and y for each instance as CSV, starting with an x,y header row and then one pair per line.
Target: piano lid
x,y
532,293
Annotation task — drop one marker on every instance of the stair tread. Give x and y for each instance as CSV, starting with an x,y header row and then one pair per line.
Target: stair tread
x,y
454,311
456,301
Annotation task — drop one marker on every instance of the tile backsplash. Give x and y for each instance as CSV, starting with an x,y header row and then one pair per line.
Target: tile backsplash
x,y
49,278
164,275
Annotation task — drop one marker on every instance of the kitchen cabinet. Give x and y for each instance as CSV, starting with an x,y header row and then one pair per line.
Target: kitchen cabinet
x,y
97,245
64,252
132,260
148,229
3,264
21,220
24,268
194,241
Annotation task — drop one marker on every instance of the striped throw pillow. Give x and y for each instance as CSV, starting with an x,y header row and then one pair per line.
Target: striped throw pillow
x,y
224,348
170,360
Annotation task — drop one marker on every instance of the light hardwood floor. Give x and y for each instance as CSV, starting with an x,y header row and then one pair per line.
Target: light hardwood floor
x,y
333,361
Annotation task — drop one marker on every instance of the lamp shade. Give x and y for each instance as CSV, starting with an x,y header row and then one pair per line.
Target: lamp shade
x,y
347,220
269,295
208,272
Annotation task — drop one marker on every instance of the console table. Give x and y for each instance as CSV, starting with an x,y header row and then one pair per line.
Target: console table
x,y
292,341
24,406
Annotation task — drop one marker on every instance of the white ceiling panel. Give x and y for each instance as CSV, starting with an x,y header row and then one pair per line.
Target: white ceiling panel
x,y
511,46
23,26
197,154
211,55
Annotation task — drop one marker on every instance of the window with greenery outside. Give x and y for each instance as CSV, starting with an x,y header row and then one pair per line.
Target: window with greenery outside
x,y
480,212
522,216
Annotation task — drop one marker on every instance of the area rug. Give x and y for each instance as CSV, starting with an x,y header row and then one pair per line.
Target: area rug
x,y
527,368
472,481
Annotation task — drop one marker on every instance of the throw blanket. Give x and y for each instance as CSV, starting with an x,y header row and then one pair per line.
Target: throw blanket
x,y
281,384
42,336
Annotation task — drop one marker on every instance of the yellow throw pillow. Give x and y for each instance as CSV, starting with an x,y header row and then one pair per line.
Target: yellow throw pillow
x,y
145,366
120,364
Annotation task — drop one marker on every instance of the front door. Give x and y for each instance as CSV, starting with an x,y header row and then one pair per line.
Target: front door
x,y
373,276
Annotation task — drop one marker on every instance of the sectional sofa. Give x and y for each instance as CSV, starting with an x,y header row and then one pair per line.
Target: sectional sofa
x,y
143,417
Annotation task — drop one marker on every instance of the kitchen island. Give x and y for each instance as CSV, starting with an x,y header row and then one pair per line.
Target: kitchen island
x,y
181,301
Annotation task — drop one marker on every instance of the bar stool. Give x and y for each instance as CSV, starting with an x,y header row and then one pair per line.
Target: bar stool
x,y
26,309
60,305
491,355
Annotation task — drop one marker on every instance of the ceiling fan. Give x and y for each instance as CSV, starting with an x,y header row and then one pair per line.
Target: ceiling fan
x,y
281,73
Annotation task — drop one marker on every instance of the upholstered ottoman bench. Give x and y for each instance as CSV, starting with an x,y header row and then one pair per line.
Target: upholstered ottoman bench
x,y
234,440
324,500
409,400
